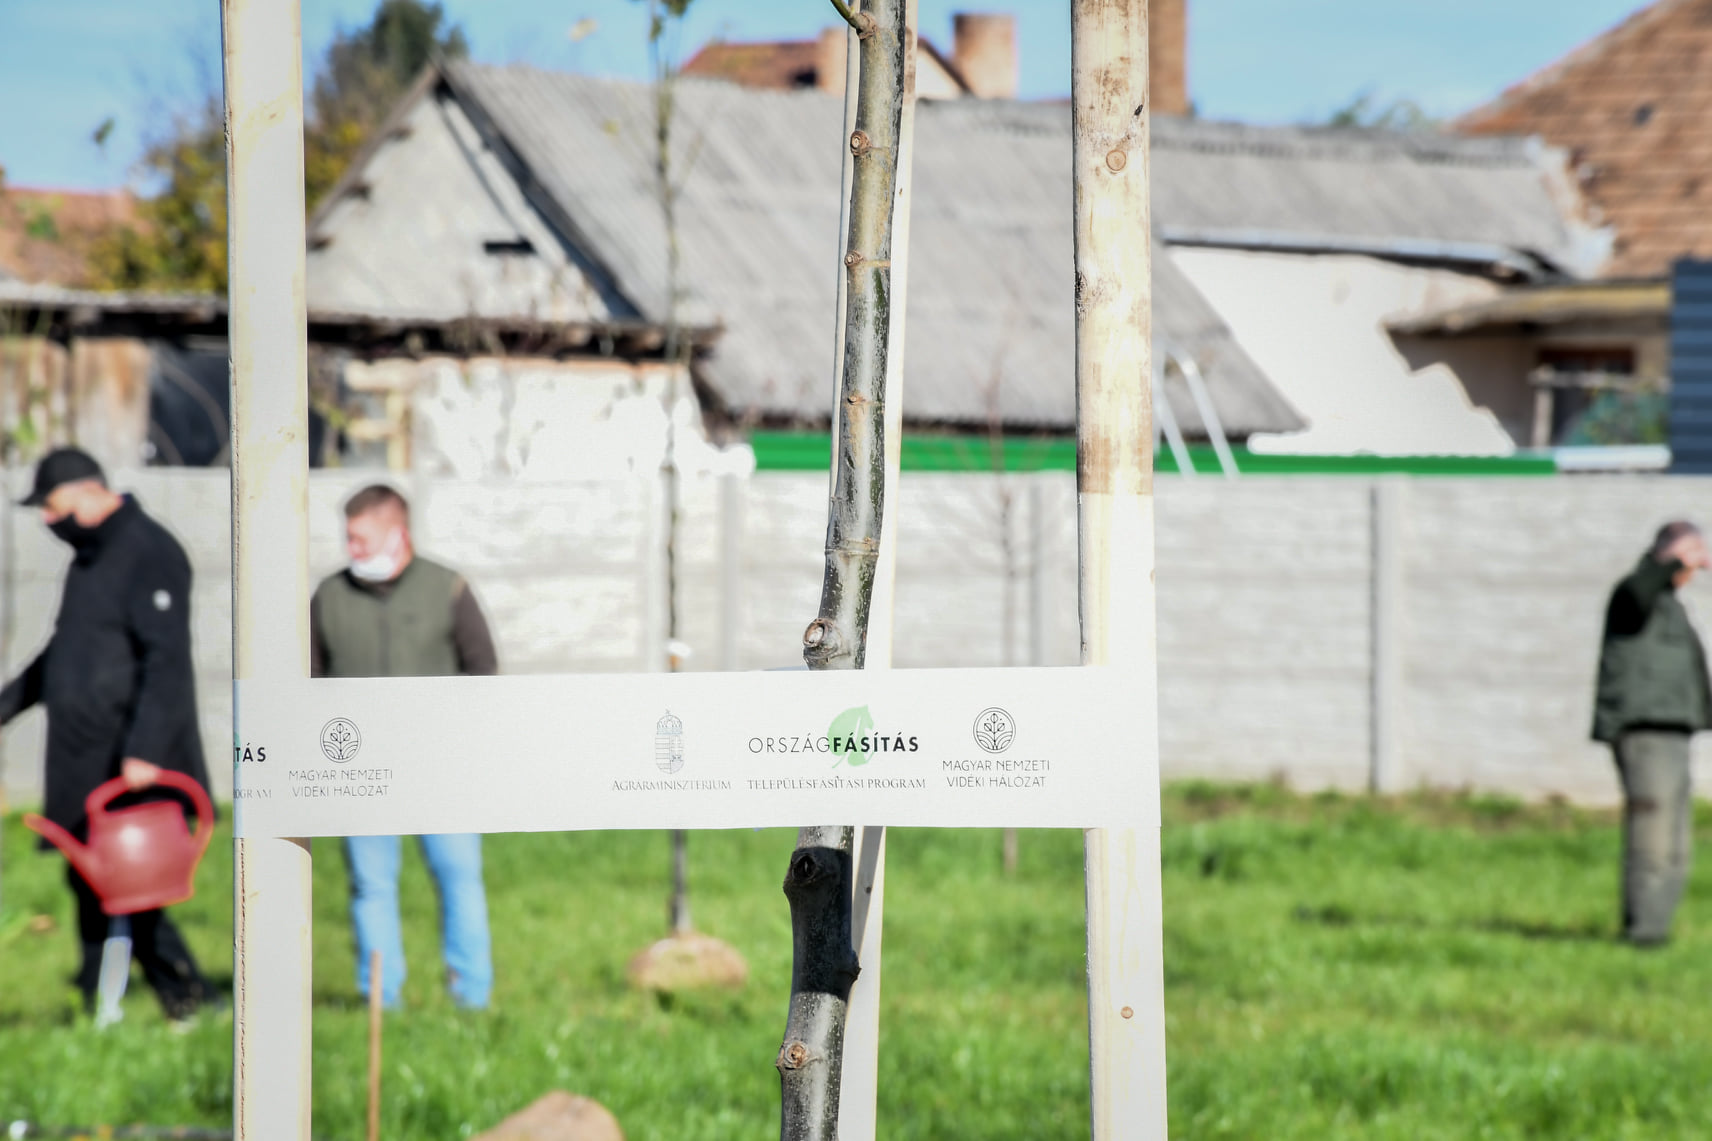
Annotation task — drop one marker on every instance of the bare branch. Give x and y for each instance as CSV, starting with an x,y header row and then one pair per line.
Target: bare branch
x,y
861,21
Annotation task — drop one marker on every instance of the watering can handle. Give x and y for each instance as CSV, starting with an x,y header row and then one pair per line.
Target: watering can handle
x,y
106,793
198,797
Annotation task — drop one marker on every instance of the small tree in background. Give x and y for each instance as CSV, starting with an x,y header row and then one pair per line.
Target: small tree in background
x,y
361,79
179,241
1365,110
685,958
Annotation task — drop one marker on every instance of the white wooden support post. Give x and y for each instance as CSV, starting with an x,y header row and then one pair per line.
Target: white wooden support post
x,y
859,1082
1390,499
731,491
1114,481
270,539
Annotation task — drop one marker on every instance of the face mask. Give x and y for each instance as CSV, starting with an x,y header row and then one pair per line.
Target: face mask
x,y
383,565
69,530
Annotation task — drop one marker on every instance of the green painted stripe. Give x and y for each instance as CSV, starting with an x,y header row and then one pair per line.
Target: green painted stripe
x,y
812,451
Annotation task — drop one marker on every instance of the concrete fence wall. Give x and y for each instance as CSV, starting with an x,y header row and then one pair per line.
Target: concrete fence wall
x,y
1332,632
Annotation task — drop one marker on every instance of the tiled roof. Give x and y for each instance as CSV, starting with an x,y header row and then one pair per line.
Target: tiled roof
x,y
1634,109
780,64
46,235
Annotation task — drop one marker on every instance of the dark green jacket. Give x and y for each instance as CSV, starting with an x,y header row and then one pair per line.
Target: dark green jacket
x,y
424,623
1652,668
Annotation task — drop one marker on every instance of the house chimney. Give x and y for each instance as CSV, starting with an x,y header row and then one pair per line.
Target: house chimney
x,y
986,53
832,59
1167,55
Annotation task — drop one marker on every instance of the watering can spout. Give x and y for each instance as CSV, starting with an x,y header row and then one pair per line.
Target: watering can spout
x,y
76,852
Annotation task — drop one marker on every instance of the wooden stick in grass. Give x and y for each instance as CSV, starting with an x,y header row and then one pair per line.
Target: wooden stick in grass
x,y
374,1044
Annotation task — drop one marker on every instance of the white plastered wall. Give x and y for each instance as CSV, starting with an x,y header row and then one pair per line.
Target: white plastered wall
x,y
1315,324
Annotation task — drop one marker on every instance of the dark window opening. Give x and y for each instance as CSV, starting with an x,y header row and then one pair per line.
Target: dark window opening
x,y
511,247
1591,401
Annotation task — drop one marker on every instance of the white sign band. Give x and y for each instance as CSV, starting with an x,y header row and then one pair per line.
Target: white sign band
x,y
1068,747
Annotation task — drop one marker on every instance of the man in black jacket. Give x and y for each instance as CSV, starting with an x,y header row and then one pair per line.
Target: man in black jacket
x,y
1653,696
117,684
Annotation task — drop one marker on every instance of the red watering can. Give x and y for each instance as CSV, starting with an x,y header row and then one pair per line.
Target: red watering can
x,y
137,858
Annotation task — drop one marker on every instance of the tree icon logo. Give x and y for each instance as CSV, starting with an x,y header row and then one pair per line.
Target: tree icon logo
x,y
669,743
340,740
994,730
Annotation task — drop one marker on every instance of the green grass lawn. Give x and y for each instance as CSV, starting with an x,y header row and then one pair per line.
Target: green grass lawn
x,y
1336,968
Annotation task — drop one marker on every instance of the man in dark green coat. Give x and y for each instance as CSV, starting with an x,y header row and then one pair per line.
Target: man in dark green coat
x,y
1653,696
393,613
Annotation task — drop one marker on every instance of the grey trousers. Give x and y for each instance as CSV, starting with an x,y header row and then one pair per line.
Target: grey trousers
x,y
1658,807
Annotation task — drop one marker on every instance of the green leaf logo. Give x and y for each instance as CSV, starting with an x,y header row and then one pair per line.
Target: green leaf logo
x,y
850,725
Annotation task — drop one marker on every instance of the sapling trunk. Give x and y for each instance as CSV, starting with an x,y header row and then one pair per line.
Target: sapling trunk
x,y
838,637
663,18
823,968
819,880
681,924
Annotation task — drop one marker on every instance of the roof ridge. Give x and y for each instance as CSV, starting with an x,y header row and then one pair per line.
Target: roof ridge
x,y
1184,133
1326,142
111,194
712,84
1589,51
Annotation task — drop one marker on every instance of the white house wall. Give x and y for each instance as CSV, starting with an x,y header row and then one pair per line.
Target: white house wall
x,y
1315,324
413,244
932,81
536,418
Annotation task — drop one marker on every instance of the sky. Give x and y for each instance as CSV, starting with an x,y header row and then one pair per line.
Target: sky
x,y
66,66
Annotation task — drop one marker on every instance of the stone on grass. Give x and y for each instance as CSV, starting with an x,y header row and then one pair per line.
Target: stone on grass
x,y
688,961
559,1116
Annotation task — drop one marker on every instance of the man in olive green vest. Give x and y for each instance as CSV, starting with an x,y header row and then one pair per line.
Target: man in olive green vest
x,y
1653,696
393,613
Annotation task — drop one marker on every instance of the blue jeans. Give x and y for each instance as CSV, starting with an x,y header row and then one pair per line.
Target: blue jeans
x,y
456,864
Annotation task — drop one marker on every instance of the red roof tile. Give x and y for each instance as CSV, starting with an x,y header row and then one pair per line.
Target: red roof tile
x,y
779,64
1634,109
46,235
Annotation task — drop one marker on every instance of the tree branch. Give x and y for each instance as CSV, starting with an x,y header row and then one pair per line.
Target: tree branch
x,y
861,21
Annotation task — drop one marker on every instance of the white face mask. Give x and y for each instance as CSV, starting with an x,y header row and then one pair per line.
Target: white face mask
x,y
384,564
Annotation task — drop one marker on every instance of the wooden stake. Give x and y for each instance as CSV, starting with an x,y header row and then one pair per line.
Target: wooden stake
x,y
859,1085
1114,470
375,992
263,73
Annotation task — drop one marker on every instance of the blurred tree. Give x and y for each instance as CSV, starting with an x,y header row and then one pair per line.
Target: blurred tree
x,y
1398,115
361,78
179,242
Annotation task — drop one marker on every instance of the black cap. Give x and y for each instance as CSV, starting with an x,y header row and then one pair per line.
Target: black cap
x,y
61,466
